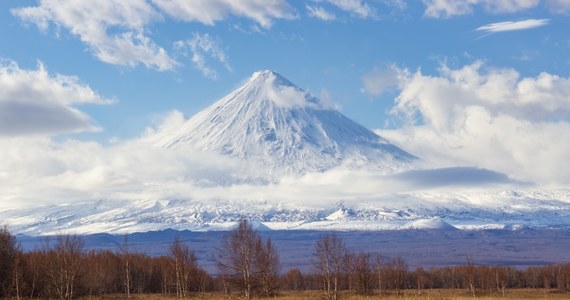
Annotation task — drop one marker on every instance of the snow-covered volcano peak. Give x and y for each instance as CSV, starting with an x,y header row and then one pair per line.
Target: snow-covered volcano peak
x,y
270,76
284,130
268,85
266,74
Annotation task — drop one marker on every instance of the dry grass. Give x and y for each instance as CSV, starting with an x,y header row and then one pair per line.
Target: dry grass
x,y
522,294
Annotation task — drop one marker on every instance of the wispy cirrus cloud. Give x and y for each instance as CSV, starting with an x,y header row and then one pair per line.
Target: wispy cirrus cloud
x,y
209,12
558,6
355,7
451,8
201,46
379,80
320,13
513,25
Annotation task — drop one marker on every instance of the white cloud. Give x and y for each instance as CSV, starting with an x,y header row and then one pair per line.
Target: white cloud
x,y
380,80
490,118
355,7
210,11
130,49
320,13
513,25
399,4
326,100
363,9
33,102
509,6
450,8
117,31
200,46
447,8
95,22
288,96
558,6
40,171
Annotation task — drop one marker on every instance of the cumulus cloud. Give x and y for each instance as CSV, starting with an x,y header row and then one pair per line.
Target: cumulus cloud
x,y
450,8
488,117
320,13
201,46
210,11
34,102
513,25
114,30
117,32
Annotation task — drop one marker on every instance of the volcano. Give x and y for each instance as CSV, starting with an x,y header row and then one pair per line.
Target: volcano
x,y
278,126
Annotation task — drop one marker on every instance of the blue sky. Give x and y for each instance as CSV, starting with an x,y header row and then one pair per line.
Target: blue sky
x,y
327,57
84,83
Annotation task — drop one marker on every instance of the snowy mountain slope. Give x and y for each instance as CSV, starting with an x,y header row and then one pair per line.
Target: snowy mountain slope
x,y
276,125
425,210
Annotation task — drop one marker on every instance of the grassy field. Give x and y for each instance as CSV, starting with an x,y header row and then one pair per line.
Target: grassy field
x,y
412,295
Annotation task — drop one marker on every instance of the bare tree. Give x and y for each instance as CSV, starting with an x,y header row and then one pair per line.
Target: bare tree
x,y
267,266
358,272
9,250
183,266
501,275
17,276
421,276
294,280
102,272
330,253
34,264
64,263
126,262
350,276
237,258
396,271
202,280
379,270
362,272
469,274
563,277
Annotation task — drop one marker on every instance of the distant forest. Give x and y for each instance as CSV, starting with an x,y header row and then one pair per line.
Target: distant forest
x,y
247,265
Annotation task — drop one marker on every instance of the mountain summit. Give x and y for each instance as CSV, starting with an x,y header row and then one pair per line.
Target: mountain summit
x,y
275,124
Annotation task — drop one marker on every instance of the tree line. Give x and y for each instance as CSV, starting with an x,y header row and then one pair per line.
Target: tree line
x,y
246,264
